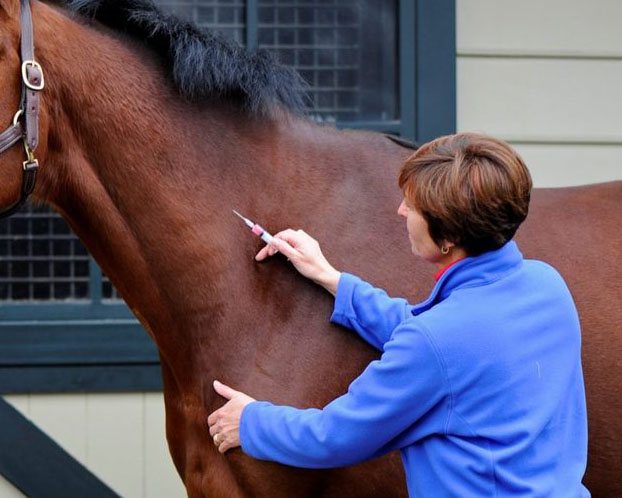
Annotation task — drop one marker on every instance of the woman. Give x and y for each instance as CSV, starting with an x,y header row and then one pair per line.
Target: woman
x,y
480,386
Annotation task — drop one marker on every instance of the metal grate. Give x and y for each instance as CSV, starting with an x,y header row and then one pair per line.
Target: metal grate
x,y
328,42
40,259
224,16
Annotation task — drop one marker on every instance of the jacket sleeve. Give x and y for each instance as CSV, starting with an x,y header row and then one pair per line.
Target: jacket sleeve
x,y
379,413
368,310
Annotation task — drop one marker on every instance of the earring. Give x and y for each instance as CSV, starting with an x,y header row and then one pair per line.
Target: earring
x,y
444,250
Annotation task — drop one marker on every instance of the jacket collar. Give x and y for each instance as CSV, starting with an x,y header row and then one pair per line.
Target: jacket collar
x,y
472,272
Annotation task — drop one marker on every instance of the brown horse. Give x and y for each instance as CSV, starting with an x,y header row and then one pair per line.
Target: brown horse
x,y
147,179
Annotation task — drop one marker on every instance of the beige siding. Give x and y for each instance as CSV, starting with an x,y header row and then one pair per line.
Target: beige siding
x,y
545,76
118,437
541,99
549,27
7,490
556,165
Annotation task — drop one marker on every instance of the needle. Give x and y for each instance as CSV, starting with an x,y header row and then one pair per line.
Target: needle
x,y
255,228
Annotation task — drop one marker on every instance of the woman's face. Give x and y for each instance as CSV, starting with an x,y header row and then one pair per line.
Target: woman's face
x,y
421,243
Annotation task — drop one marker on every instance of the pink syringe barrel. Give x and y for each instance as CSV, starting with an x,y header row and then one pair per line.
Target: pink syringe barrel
x,y
261,233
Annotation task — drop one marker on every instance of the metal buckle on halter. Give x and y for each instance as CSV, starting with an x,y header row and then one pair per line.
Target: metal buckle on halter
x,y
25,79
18,114
30,163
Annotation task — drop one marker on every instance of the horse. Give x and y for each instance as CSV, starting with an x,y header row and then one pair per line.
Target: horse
x,y
151,132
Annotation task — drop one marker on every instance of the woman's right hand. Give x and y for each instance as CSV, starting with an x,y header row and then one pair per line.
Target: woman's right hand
x,y
305,254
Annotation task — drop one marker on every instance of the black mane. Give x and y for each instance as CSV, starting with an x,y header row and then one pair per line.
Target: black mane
x,y
202,65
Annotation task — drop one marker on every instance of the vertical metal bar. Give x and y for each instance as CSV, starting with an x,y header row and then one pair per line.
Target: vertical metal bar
x,y
252,24
95,281
72,270
407,68
436,68
31,269
9,258
50,255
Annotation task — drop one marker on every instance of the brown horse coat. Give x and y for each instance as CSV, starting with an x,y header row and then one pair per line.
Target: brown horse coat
x,y
148,181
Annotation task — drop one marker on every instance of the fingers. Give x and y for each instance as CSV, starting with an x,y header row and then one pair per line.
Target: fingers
x,y
213,430
225,391
286,248
278,244
266,251
294,238
222,439
211,420
263,253
226,445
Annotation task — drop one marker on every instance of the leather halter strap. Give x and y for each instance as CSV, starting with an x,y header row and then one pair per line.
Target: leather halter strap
x,y
28,113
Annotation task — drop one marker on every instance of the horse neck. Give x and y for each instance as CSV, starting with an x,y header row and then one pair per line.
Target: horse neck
x,y
126,167
148,183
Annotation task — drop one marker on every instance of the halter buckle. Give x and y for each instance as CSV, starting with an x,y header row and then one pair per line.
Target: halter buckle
x,y
30,156
30,165
25,79
18,114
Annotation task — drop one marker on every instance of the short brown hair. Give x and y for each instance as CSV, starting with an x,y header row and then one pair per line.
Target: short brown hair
x,y
473,190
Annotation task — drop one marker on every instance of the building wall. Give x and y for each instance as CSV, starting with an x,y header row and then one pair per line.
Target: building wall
x,y
545,76
118,437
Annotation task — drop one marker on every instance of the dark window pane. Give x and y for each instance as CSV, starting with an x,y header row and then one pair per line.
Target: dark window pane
x,y
326,78
266,15
286,57
286,36
81,290
286,15
306,16
20,291
206,15
305,36
226,15
62,290
41,247
82,269
62,269
42,291
305,58
41,269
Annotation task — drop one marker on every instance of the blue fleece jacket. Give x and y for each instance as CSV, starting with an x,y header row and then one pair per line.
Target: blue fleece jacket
x,y
480,387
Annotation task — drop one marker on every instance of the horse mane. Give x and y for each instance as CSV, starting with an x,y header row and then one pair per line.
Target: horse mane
x,y
202,65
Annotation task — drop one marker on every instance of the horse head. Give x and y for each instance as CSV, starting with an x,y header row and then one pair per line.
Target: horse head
x,y
21,80
10,160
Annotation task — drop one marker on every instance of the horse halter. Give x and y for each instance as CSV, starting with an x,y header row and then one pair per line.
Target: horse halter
x,y
28,112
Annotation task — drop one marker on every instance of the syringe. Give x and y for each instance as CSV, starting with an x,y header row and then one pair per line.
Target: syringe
x,y
256,229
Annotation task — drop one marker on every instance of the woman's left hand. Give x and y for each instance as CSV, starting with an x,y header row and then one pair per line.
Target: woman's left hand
x,y
224,423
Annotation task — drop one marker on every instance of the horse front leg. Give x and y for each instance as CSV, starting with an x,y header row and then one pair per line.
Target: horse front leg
x,y
203,470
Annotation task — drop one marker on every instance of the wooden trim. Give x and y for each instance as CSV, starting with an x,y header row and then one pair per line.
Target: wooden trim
x,y
75,343
436,68
38,466
407,56
80,379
